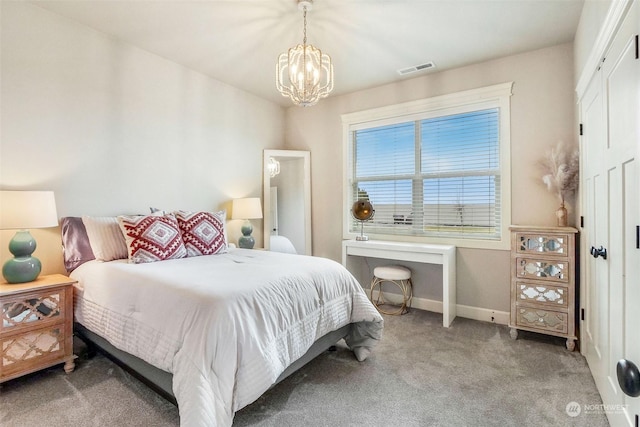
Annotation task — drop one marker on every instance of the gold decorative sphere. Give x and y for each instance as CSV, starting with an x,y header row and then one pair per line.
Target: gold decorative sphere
x,y
362,210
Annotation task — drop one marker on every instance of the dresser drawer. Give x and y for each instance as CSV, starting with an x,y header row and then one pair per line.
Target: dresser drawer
x,y
542,294
543,269
32,350
33,310
545,320
555,245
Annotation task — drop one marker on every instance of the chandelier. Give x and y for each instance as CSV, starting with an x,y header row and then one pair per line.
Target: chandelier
x,y
273,166
304,73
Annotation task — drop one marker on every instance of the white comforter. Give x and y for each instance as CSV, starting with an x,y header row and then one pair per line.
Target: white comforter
x,y
226,326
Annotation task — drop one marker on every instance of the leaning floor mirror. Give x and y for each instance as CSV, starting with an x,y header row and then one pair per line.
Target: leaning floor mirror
x,y
287,201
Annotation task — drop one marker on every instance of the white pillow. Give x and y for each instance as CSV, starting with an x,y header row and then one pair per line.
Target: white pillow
x,y
106,238
281,244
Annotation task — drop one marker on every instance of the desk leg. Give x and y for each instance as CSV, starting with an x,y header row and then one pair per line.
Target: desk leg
x,y
448,289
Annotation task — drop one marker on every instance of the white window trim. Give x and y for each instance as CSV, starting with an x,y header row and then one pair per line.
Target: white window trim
x,y
497,95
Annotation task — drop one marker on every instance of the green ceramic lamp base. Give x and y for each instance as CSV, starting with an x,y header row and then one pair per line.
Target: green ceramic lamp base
x,y
246,241
23,267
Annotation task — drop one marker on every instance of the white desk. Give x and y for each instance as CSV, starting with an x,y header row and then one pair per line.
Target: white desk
x,y
444,255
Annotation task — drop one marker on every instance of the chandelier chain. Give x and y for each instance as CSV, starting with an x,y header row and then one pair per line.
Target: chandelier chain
x,y
304,32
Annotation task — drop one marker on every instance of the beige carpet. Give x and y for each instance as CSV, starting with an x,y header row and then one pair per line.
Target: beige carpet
x,y
421,374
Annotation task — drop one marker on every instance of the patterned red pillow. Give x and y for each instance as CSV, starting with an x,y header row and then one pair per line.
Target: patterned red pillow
x,y
152,238
203,232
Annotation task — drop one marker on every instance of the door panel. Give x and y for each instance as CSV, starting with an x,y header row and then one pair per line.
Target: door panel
x,y
610,110
631,279
594,186
600,267
614,284
622,78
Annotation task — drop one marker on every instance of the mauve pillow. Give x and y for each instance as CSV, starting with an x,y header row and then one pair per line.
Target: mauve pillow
x,y
75,243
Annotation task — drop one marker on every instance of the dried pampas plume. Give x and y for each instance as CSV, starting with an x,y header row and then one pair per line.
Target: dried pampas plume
x,y
561,171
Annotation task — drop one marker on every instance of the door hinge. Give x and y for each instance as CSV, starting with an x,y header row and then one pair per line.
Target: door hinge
x,y
637,48
637,236
582,314
580,129
581,221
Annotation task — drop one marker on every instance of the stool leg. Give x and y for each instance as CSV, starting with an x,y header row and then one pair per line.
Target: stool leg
x,y
371,286
403,288
376,282
380,300
409,286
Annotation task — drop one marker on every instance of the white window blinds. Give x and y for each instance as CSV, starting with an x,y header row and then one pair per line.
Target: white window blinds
x,y
437,176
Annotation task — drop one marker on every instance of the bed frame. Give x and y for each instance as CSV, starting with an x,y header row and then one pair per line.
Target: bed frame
x,y
161,381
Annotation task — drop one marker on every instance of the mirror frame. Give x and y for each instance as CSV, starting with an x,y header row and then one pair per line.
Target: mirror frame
x,y
266,194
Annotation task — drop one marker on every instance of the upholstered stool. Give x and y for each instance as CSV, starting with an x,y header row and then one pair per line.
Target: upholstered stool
x,y
398,275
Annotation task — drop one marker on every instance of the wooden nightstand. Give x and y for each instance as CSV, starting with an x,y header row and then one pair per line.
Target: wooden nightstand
x,y
36,328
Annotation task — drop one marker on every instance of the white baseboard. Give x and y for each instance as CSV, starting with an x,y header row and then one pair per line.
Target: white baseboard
x,y
483,314
427,304
475,313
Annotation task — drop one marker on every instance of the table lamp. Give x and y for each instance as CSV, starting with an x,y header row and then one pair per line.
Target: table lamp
x,y
247,208
21,210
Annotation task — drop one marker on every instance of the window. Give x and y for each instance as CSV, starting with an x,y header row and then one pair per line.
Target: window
x,y
434,170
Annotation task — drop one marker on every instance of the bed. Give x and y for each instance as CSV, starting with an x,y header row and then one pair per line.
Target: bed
x,y
217,331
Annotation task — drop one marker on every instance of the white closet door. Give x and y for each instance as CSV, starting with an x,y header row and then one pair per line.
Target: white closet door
x,y
622,78
594,185
610,111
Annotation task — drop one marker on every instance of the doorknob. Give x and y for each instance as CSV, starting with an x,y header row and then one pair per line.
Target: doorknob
x,y
599,252
628,377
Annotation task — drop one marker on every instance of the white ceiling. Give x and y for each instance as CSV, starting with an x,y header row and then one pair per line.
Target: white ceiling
x,y
238,41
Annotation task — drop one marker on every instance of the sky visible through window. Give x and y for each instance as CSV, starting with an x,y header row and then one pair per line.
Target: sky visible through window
x,y
459,159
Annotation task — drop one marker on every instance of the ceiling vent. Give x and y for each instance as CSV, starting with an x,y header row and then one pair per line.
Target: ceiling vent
x,y
426,66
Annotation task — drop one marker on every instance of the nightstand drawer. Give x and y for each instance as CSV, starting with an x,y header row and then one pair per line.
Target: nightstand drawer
x,y
542,294
33,310
26,352
555,245
543,269
545,320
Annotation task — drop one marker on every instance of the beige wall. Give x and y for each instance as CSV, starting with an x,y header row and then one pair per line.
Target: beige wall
x,y
114,129
542,114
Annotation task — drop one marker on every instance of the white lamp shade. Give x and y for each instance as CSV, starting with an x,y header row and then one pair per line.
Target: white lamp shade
x,y
248,208
20,210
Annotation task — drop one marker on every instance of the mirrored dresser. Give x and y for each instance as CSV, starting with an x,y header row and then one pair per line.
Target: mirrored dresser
x,y
543,270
